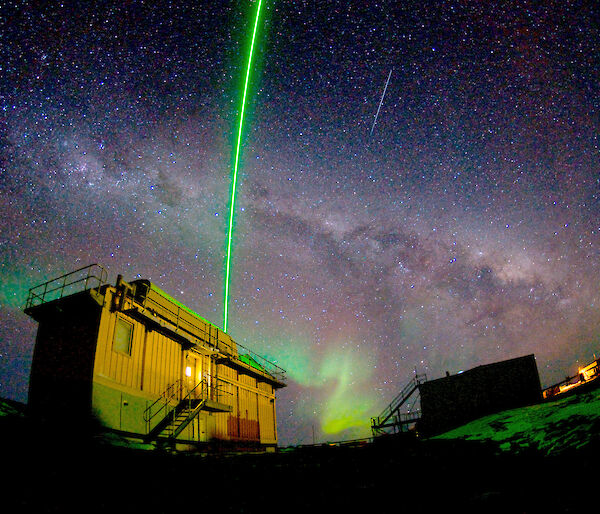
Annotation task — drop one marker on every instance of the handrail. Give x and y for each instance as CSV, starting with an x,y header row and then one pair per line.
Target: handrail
x,y
204,391
402,396
179,322
67,284
167,395
171,311
267,366
176,390
403,417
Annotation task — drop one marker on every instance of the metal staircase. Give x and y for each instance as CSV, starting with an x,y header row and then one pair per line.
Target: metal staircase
x,y
178,416
177,419
391,417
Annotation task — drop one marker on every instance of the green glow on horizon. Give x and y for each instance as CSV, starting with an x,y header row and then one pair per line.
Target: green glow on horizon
x,y
235,171
340,379
349,403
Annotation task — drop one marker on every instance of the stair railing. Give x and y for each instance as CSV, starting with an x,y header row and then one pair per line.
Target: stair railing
x,y
198,392
172,391
187,400
399,400
402,396
202,388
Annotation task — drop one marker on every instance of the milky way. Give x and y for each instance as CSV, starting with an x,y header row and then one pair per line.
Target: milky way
x,y
465,230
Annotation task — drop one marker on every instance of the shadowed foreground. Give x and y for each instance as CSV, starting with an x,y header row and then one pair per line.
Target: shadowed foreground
x,y
47,472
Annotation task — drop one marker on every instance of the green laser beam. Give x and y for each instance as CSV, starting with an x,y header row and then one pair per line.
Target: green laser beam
x,y
235,171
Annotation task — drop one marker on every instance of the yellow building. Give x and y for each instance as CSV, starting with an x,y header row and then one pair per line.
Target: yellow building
x,y
144,365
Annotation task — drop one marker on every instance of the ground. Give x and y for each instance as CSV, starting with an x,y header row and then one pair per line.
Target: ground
x,y
552,428
539,459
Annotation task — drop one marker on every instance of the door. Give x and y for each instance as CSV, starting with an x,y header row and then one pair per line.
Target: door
x,y
193,375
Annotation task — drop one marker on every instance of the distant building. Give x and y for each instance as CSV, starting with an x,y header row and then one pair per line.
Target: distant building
x,y
454,400
585,379
143,364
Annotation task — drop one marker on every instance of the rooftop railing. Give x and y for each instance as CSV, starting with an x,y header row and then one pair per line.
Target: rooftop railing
x,y
258,361
94,276
82,279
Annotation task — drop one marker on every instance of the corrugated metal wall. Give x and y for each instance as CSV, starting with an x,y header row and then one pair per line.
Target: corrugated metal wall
x,y
122,368
163,363
156,362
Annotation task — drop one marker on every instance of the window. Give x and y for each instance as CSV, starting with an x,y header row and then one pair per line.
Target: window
x,y
123,336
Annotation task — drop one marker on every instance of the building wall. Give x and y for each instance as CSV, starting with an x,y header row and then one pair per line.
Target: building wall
x,y
81,366
126,385
457,399
63,358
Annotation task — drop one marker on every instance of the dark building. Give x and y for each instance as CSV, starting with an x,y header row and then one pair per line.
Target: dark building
x,y
454,400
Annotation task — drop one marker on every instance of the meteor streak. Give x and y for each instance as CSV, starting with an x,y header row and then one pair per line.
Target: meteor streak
x,y
381,101
235,171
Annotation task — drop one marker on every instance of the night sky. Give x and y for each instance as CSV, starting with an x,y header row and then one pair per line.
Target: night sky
x,y
460,229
